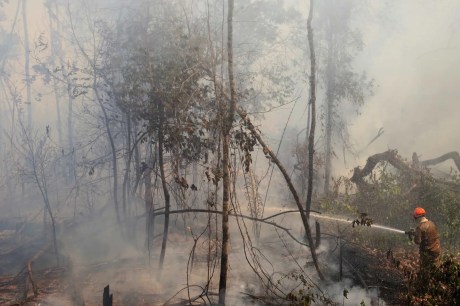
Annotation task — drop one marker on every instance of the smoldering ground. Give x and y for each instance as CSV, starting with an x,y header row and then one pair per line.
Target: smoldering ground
x,y
97,254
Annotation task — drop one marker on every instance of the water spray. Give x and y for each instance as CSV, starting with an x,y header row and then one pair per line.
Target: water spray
x,y
410,232
389,228
382,227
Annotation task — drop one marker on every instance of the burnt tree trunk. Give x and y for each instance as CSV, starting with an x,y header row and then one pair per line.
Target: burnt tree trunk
x,y
228,119
107,297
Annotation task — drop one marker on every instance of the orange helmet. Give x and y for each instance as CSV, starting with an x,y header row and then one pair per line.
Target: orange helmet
x,y
419,212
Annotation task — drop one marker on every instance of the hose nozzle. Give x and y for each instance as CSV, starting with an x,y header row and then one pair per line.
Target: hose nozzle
x,y
410,233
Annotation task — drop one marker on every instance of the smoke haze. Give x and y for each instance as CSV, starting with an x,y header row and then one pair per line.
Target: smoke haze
x,y
411,50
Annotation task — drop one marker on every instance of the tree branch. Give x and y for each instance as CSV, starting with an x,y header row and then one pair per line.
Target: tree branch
x,y
451,155
264,220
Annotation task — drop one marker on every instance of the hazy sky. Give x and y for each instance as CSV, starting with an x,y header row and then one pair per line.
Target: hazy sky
x,y
416,65
412,50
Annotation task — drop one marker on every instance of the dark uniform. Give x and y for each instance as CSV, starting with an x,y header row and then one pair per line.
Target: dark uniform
x,y
427,237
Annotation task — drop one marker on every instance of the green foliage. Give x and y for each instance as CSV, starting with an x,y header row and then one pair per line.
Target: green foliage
x,y
391,196
441,200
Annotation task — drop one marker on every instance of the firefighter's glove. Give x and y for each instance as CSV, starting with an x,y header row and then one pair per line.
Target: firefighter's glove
x,y
410,233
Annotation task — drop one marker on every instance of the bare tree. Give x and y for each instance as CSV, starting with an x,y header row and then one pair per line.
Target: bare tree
x,y
92,61
40,158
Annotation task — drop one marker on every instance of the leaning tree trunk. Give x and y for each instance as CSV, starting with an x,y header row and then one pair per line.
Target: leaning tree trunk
x,y
227,126
164,184
303,215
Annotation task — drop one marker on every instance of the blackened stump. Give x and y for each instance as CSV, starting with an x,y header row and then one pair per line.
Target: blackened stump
x,y
107,297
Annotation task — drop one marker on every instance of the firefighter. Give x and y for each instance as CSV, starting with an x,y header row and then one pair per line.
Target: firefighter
x,y
427,237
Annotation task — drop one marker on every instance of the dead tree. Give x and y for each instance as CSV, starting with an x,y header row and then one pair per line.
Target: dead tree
x,y
414,170
451,155
390,156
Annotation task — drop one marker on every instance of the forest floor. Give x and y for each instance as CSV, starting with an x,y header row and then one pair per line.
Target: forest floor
x,y
369,268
